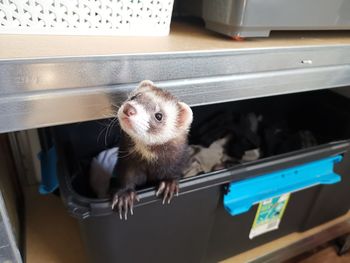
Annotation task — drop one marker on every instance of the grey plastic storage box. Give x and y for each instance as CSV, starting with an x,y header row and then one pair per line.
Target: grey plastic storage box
x,y
196,227
256,18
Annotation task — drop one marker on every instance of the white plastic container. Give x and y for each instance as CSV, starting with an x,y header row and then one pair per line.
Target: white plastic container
x,y
86,17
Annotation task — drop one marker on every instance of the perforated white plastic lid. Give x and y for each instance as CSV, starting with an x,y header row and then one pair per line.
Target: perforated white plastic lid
x,y
86,17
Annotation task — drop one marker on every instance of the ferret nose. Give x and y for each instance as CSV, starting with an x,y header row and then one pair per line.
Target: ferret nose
x,y
129,110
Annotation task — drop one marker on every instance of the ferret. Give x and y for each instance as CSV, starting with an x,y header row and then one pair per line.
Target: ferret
x,y
153,146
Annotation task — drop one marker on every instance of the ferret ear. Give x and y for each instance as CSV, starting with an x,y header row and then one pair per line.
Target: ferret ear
x,y
145,84
185,116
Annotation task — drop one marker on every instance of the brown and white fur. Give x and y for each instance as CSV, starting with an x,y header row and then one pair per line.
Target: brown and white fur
x,y
153,148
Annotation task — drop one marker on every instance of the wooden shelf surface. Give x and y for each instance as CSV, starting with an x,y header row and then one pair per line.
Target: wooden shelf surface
x,y
184,37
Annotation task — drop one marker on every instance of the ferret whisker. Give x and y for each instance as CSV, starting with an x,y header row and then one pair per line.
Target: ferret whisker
x,y
114,109
101,122
127,155
107,112
106,135
111,125
109,128
123,151
100,133
106,123
105,126
115,105
108,115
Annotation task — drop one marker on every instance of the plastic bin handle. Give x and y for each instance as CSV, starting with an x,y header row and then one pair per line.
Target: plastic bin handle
x,y
244,194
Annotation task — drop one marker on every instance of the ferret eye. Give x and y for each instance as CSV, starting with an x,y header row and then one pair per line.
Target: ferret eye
x,y
158,116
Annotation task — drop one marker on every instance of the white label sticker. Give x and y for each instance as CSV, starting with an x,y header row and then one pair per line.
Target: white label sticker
x,y
269,215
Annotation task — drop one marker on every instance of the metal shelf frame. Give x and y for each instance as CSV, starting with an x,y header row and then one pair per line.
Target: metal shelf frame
x,y
50,91
40,92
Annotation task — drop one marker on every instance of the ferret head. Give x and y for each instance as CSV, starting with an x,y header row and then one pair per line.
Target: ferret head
x,y
153,116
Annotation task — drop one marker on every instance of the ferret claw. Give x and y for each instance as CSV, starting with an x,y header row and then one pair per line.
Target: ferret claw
x,y
171,195
125,202
168,189
161,188
114,201
120,208
126,209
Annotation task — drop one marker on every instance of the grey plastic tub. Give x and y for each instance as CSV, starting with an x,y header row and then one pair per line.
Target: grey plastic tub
x,y
257,18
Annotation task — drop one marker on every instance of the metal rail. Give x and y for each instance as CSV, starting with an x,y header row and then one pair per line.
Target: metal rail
x,y
50,91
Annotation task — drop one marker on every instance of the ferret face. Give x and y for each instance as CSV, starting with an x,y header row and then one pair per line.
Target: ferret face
x,y
153,116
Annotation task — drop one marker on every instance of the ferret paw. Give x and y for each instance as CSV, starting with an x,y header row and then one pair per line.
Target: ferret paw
x,y
168,189
123,202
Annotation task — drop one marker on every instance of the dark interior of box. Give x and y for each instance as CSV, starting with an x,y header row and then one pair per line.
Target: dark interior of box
x,y
323,113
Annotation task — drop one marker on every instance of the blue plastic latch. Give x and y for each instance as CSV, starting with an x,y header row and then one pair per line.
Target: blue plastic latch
x,y
48,161
244,194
